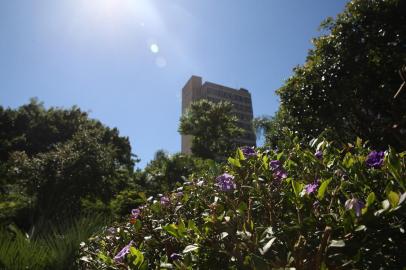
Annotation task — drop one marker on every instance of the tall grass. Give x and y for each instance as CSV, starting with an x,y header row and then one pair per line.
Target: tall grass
x,y
54,247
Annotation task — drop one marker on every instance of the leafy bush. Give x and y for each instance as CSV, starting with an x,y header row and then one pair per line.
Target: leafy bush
x,y
308,207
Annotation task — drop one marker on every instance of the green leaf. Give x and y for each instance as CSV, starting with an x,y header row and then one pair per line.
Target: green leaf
x,y
337,243
139,257
190,248
348,160
402,198
322,189
393,198
267,246
320,145
394,166
242,207
234,162
181,228
240,154
358,142
385,206
172,229
137,224
166,265
105,258
370,199
265,162
223,235
313,142
142,196
297,187
360,228
192,226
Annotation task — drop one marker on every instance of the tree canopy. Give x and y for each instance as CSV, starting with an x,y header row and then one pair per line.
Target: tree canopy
x,y
346,86
213,127
52,159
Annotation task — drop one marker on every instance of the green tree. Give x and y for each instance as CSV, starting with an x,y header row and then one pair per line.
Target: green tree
x,y
53,159
163,172
213,127
34,129
346,86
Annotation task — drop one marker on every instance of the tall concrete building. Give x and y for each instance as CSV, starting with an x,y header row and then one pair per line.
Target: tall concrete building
x,y
195,90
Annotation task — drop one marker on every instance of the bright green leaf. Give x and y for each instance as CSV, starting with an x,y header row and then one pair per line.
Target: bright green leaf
x,y
234,162
322,189
172,229
370,199
297,187
240,154
393,198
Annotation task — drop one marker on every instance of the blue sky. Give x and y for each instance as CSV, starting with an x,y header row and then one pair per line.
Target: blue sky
x,y
125,61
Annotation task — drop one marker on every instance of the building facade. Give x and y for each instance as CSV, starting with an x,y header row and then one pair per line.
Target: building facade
x,y
195,90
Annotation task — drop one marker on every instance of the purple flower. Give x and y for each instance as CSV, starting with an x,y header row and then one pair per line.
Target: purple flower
x,y
275,164
355,204
226,182
279,171
135,213
175,256
164,201
318,154
375,159
310,188
280,174
121,255
248,151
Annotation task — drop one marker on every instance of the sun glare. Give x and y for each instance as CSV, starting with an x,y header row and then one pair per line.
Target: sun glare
x,y
154,48
120,12
106,9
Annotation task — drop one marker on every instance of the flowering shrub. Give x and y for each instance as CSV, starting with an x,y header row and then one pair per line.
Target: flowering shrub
x,y
336,209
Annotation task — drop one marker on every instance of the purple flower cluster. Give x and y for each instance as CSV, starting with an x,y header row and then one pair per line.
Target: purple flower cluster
x,y
248,151
226,182
164,201
318,154
121,255
279,172
375,159
135,213
310,188
355,204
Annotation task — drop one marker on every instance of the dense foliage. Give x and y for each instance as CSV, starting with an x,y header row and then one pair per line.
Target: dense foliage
x,y
163,172
55,248
346,87
213,127
54,159
305,206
